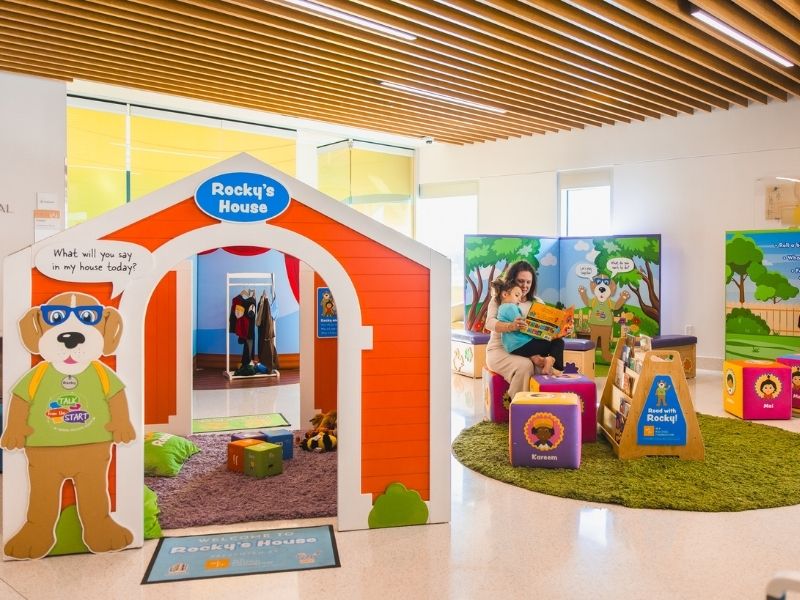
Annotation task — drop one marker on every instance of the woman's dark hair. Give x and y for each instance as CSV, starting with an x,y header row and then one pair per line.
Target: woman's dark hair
x,y
766,382
522,266
501,285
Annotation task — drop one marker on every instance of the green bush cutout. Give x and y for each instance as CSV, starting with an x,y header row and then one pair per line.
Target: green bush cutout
x,y
69,533
398,506
741,320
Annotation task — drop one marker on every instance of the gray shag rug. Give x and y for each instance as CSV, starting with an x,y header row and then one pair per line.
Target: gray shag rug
x,y
206,493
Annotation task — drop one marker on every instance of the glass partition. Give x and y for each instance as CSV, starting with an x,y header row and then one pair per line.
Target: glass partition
x,y
374,179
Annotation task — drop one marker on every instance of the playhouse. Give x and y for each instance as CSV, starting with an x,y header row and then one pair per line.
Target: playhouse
x,y
391,353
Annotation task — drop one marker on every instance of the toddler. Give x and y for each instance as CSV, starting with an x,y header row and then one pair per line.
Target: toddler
x,y
508,294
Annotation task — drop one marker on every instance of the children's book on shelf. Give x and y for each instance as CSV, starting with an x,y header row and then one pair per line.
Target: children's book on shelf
x,y
621,418
645,343
548,322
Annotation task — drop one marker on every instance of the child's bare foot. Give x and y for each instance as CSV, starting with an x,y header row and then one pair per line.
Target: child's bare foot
x,y
538,361
547,369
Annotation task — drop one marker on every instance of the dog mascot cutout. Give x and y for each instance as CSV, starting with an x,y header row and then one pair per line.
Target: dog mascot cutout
x,y
601,317
66,413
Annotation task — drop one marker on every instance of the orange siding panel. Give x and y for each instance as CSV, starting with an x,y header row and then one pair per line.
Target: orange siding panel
x,y
383,365
401,381
397,349
409,332
372,417
399,466
380,433
394,398
378,450
160,347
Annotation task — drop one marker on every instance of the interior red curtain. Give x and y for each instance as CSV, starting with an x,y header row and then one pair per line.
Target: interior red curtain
x,y
239,250
292,263
293,274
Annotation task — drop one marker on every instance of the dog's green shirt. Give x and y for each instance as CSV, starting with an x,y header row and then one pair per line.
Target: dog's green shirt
x,y
68,411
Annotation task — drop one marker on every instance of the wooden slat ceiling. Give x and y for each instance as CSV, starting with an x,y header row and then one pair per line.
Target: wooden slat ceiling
x,y
551,65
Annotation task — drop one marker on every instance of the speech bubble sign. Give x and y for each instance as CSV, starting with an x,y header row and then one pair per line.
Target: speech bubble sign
x,y
619,265
585,270
101,260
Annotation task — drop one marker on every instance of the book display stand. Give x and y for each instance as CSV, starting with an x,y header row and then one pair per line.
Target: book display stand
x,y
646,408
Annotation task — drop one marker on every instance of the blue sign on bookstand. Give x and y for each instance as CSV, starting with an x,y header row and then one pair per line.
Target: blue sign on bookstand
x,y
661,422
327,321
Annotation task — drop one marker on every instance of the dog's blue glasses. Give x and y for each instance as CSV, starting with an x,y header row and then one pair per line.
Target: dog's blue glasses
x,y
55,314
602,280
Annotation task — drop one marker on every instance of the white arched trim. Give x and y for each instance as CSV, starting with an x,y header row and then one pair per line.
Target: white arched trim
x,y
353,507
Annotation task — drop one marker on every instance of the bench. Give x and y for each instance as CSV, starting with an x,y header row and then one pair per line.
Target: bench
x,y
468,352
685,345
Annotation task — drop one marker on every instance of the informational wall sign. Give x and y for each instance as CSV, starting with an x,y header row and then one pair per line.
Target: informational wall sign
x,y
242,197
327,321
661,422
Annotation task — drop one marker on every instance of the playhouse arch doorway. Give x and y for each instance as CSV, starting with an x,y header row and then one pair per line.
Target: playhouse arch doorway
x,y
351,504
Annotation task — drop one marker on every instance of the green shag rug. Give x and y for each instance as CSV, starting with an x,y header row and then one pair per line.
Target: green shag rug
x,y
747,466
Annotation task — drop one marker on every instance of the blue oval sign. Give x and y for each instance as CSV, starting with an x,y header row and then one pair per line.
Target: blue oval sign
x,y
242,197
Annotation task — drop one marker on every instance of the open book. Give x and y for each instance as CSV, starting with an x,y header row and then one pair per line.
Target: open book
x,y
547,322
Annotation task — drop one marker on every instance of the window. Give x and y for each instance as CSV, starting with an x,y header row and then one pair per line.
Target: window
x,y
118,152
585,203
444,214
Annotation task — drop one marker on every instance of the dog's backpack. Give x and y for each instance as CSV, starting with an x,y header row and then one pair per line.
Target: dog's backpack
x,y
42,367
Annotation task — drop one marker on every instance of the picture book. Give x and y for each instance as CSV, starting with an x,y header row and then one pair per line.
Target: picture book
x,y
547,322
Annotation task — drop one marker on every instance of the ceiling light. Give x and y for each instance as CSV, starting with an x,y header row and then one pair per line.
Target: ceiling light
x,y
350,18
788,179
739,37
434,95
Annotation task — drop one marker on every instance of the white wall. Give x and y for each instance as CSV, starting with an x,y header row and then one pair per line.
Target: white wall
x,y
689,178
32,152
507,203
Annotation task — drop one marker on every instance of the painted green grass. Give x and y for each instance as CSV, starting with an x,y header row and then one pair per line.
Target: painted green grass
x,y
747,466
767,347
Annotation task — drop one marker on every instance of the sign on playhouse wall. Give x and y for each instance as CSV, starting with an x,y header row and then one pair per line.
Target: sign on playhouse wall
x,y
242,197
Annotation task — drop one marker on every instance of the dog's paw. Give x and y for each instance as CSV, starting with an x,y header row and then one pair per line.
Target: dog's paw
x,y
122,434
107,535
30,542
14,440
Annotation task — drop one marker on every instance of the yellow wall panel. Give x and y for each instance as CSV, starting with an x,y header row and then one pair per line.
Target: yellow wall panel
x,y
95,163
164,151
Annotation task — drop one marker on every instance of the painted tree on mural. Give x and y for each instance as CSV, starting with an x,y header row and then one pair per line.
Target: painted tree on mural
x,y
645,252
774,286
495,254
743,259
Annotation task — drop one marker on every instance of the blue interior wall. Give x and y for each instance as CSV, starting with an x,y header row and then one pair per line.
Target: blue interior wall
x,y
213,300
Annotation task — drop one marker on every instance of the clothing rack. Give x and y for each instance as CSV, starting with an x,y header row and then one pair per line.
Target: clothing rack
x,y
256,281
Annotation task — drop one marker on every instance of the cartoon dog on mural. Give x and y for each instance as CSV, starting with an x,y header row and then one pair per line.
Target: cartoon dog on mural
x,y
601,317
66,413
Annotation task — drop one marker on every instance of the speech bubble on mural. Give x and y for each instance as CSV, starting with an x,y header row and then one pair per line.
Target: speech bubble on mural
x,y
585,270
619,265
102,260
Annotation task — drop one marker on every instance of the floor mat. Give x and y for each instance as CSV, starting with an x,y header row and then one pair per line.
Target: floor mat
x,y
242,553
239,422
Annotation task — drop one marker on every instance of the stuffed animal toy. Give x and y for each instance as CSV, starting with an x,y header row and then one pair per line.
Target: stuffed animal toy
x,y
322,437
322,442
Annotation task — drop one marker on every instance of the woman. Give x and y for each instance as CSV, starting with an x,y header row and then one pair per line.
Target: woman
x,y
518,370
